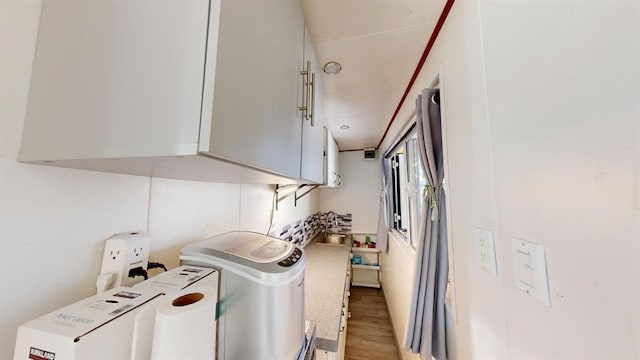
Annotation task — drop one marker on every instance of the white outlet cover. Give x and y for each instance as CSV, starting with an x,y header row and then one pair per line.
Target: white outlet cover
x,y
485,250
530,269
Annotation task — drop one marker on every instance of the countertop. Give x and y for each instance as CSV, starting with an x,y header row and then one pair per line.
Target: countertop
x,y
325,275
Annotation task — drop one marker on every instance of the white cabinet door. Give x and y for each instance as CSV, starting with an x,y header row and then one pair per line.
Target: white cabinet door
x,y
312,126
116,79
255,118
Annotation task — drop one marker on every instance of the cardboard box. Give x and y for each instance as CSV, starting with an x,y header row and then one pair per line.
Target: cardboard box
x,y
98,327
180,278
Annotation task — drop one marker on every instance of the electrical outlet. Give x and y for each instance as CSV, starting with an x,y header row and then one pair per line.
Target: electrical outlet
x,y
124,255
485,250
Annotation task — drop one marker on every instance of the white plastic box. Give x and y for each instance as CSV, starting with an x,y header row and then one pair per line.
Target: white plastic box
x,y
98,327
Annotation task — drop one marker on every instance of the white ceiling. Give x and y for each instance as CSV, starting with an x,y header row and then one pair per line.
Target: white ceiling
x,y
378,43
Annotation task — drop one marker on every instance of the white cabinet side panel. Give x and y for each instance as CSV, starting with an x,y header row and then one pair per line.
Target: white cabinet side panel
x,y
332,175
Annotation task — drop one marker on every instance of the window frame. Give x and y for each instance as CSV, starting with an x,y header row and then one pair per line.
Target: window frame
x,y
405,200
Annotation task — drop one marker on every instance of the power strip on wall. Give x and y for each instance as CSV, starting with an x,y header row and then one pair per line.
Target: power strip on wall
x,y
124,261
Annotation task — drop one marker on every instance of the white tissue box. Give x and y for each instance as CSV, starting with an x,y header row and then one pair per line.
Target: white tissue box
x,y
98,327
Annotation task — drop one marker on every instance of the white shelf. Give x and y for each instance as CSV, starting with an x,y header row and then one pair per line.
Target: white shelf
x,y
366,275
368,267
365,284
363,249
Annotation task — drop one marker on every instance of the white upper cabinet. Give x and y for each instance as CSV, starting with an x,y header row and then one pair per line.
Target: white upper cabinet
x,y
313,116
191,89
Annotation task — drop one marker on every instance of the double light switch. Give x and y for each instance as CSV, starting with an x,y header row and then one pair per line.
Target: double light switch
x,y
530,269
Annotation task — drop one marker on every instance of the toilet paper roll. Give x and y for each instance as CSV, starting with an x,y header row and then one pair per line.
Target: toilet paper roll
x,y
185,326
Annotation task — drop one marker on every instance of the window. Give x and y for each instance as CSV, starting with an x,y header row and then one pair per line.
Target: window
x,y
407,183
400,215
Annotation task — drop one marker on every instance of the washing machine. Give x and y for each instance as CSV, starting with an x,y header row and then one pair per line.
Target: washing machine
x,y
261,294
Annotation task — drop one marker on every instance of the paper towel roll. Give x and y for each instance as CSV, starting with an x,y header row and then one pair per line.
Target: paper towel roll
x,y
185,326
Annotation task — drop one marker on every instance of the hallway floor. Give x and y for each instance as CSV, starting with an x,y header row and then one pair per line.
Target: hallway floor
x,y
369,333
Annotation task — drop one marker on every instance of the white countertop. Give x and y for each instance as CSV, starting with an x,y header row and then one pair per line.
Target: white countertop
x,y
325,276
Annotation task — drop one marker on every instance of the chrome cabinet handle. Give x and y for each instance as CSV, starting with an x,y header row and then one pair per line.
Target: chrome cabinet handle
x,y
312,106
305,108
307,81
308,75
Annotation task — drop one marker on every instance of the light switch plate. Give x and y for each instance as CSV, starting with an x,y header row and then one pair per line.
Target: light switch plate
x,y
530,268
485,250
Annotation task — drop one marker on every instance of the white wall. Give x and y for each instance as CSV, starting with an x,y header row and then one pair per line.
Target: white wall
x,y
359,193
565,120
457,55
53,221
541,113
397,274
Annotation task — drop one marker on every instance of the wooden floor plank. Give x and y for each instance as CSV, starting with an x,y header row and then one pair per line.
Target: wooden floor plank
x,y
369,331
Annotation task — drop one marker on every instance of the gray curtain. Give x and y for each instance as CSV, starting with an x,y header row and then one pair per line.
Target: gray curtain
x,y
382,238
426,325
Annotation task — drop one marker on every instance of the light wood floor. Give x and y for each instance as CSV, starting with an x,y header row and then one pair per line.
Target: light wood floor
x,y
369,331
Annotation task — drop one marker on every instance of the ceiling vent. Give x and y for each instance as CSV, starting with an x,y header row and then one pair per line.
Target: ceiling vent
x,y
369,154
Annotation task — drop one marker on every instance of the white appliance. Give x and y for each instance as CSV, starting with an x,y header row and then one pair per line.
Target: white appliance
x,y
261,294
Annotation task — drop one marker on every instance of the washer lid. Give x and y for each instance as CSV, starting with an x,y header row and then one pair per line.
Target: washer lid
x,y
251,246
271,250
